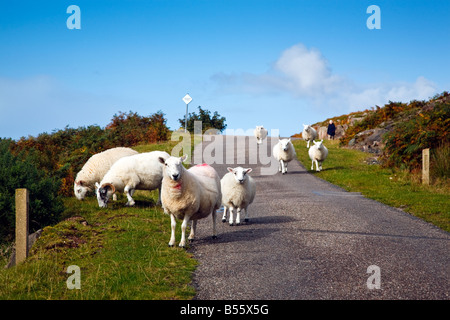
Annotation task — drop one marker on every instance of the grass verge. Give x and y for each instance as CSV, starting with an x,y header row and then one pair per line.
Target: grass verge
x,y
350,169
122,254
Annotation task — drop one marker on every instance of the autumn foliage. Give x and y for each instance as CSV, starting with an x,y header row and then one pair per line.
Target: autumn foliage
x,y
62,153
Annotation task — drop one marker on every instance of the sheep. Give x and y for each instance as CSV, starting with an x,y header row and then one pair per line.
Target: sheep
x,y
317,153
309,134
284,152
260,134
95,169
138,172
238,191
189,195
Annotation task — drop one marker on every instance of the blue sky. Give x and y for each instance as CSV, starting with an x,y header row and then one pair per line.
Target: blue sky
x,y
277,63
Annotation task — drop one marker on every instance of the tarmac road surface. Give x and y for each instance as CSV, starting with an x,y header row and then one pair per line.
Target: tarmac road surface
x,y
309,239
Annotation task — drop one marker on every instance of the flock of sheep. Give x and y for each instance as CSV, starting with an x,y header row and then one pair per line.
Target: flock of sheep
x,y
185,194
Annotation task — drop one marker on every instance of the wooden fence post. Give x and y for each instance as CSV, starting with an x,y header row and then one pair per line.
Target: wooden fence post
x,y
22,215
426,166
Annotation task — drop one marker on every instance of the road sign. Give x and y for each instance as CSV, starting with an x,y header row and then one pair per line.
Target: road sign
x,y
187,98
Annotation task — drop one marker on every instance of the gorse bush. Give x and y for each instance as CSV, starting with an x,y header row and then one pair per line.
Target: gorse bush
x,y
428,128
20,172
62,153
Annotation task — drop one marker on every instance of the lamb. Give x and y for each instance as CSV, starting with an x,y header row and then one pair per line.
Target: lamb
x,y
238,191
189,195
284,152
309,133
260,134
138,172
317,153
95,169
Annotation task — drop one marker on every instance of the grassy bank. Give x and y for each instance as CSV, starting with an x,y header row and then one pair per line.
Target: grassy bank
x,y
122,253
350,169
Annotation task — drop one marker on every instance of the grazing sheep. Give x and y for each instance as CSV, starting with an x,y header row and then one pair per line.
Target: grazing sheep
x,y
317,153
189,195
309,134
284,152
95,169
238,191
138,172
260,134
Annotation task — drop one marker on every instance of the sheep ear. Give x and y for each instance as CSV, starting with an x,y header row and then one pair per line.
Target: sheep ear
x,y
97,185
248,170
161,159
230,169
184,158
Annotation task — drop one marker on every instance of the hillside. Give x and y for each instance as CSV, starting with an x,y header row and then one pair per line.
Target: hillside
x,y
397,132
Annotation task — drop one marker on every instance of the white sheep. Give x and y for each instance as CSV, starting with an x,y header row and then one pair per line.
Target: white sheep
x,y
284,152
142,171
189,195
260,134
317,153
95,169
309,134
238,191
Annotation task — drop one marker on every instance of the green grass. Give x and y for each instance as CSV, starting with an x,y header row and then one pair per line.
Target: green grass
x,y
349,169
122,254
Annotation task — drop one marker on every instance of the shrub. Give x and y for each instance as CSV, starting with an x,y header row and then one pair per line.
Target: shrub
x,y
20,172
428,128
62,153
215,122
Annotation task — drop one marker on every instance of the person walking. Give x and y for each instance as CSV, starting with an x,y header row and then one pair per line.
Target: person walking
x,y
331,131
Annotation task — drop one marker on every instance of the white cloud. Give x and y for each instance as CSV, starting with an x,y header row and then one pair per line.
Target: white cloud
x,y
305,74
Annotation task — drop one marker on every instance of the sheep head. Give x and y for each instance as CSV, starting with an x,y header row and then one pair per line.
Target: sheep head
x,y
239,173
173,167
318,144
284,144
80,188
104,193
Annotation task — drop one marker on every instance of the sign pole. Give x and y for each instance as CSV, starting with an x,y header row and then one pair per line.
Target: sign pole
x,y
187,98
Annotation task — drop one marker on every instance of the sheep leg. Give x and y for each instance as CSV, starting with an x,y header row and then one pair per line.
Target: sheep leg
x,y
159,197
246,215
317,165
224,217
173,224
214,236
231,216
193,228
312,165
183,232
238,216
129,192
283,167
279,166
320,165
307,146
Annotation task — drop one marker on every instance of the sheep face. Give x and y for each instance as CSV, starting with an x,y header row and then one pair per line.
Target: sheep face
x,y
239,173
173,167
318,144
307,127
104,193
284,144
80,189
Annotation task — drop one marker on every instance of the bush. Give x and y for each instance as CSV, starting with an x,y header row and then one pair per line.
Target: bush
x,y
62,153
20,172
215,122
428,128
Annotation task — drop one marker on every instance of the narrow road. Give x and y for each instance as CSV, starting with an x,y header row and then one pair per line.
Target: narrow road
x,y
308,239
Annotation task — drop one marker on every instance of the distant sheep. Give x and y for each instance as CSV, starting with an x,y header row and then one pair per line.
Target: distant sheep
x,y
95,169
309,134
238,191
189,195
284,152
317,153
260,134
142,171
